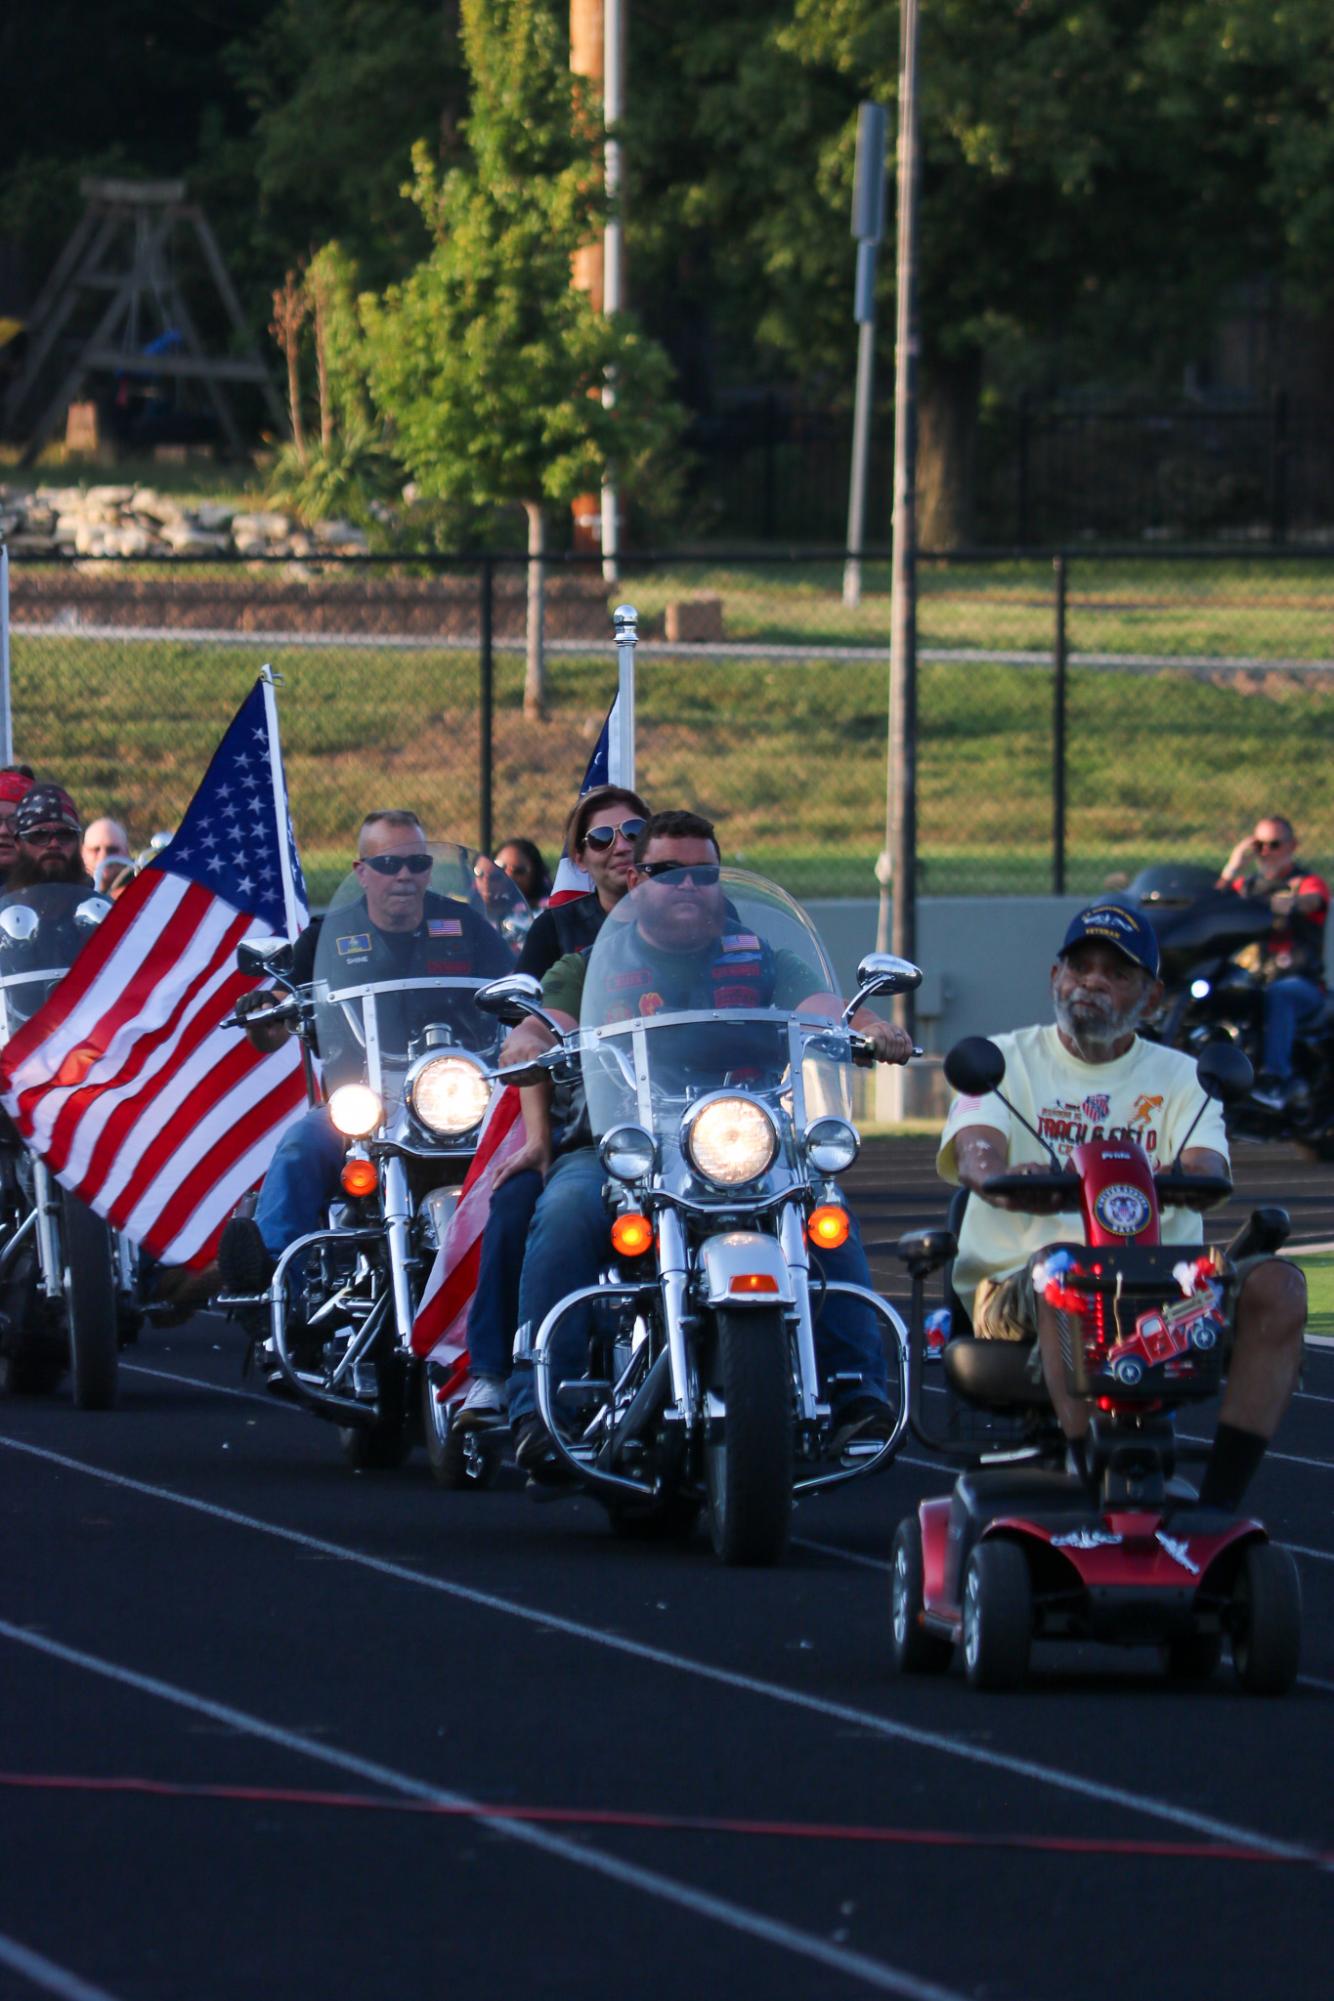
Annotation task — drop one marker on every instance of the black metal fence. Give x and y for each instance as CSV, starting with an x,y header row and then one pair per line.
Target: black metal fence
x,y
1080,714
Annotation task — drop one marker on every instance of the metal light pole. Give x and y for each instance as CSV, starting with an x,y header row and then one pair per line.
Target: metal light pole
x,y
613,244
901,787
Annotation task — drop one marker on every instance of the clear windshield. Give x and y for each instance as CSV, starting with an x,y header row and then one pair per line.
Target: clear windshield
x,y
42,930
697,986
401,951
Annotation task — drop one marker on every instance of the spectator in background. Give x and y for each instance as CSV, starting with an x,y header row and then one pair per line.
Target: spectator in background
x,y
106,850
522,862
1291,960
47,826
15,780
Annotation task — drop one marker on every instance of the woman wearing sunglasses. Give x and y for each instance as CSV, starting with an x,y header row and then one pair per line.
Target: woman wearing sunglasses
x,y
599,837
1291,961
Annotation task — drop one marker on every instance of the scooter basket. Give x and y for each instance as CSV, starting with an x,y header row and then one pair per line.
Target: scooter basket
x,y
1141,1324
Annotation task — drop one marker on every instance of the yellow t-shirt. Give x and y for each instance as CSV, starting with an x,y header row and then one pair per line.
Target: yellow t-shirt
x,y
1150,1094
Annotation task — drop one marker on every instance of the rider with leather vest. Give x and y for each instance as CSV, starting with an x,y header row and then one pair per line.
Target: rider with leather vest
x,y
694,957
599,839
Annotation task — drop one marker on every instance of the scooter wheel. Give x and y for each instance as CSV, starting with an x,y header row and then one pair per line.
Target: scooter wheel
x,y
1266,1620
997,1615
915,1650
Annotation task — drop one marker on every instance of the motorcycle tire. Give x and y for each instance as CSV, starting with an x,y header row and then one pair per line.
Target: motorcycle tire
x,y
748,1470
91,1311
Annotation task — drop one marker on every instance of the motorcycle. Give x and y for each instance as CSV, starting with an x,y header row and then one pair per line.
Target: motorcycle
x,y
1210,997
1024,1547
67,1282
721,1131
415,1057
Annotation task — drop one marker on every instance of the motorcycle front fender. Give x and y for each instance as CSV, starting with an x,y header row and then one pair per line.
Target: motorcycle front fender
x,y
745,1268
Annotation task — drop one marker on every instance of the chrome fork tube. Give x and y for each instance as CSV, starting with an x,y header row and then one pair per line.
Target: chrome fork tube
x,y
672,1271
49,1254
397,1217
793,1240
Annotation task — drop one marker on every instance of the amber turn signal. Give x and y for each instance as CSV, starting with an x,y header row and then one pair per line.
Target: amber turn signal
x,y
632,1235
359,1176
828,1226
753,1281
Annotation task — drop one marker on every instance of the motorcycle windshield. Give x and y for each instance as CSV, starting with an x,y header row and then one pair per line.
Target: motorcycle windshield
x,y
401,952
42,931
695,986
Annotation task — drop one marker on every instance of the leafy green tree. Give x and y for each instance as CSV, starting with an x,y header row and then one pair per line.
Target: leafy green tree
x,y
486,361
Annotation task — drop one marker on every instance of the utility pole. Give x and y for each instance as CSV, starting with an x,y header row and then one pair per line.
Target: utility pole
x,y
868,226
901,801
597,51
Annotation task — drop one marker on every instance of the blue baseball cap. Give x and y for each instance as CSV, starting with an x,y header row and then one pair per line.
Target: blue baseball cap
x,y
1115,924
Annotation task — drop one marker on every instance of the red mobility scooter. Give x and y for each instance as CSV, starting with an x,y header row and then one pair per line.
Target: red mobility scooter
x,y
1120,1552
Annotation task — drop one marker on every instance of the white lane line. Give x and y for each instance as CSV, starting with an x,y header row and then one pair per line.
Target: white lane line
x,y
1287,1458
288,1409
575,1629
45,1973
700,1903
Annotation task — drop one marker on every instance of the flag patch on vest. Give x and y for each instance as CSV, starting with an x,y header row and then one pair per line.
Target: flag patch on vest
x,y
444,927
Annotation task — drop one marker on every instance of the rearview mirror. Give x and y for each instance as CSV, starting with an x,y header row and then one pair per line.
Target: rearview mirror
x,y
883,973
264,958
512,998
1224,1071
975,1066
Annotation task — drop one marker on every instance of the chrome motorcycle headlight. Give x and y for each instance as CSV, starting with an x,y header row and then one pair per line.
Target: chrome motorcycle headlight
x,y
628,1153
831,1145
355,1110
730,1140
449,1094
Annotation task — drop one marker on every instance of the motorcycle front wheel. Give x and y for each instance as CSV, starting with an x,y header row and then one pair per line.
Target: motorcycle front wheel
x,y
90,1305
748,1466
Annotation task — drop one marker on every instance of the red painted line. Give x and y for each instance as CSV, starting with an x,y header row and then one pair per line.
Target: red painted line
x,y
670,1823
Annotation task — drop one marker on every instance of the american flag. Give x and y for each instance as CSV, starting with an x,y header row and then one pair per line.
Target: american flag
x,y
125,1081
440,1330
603,769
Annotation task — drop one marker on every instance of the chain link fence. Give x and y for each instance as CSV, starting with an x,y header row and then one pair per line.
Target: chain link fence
x,y
1080,715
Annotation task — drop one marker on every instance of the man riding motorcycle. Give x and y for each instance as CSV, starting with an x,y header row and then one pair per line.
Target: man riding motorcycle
x,y
679,954
1091,1076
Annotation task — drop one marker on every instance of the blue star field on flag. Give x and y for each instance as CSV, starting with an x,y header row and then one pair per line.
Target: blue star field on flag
x,y
228,840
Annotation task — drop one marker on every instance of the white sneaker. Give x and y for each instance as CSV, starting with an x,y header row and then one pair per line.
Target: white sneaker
x,y
485,1402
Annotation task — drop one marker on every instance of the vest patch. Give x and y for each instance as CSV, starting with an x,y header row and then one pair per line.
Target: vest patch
x,y
355,941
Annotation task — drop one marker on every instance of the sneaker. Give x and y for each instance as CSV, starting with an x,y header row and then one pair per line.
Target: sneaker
x,y
536,1454
484,1404
862,1420
244,1259
1269,1092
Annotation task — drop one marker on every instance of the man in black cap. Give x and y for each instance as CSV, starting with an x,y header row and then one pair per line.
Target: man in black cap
x,y
47,829
1090,1076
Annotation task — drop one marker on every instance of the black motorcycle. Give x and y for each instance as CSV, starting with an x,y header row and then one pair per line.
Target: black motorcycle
x,y
1202,930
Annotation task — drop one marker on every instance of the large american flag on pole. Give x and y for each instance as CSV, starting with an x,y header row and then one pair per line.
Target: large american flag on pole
x,y
440,1329
125,1081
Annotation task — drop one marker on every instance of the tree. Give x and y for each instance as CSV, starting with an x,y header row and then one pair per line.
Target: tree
x,y
485,360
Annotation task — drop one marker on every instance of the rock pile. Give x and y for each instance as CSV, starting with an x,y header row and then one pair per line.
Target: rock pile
x,y
136,521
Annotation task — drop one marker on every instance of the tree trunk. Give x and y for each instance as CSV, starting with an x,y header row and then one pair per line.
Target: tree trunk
x,y
947,450
535,674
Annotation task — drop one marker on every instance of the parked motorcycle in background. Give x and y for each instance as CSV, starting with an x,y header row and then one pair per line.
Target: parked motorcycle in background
x,y
1210,997
411,1056
61,1266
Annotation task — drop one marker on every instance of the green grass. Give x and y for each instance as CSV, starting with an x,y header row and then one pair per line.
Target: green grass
x,y
1320,1294
788,756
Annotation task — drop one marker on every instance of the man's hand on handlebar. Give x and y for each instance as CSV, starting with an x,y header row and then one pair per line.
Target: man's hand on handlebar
x,y
532,1038
876,1041
280,1018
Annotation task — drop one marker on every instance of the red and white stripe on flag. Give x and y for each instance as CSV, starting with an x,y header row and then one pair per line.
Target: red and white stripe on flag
x,y
153,1114
440,1330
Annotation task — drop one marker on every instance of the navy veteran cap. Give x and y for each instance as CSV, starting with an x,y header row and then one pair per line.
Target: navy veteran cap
x,y
1115,924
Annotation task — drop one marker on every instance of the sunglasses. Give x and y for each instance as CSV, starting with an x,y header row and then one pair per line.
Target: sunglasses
x,y
50,837
703,874
392,864
1262,845
602,837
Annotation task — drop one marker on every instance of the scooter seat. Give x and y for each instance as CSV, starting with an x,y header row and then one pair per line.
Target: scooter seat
x,y
995,1373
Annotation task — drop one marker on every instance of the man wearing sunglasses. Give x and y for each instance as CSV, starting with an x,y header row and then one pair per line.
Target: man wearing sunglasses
x,y
1291,960
46,832
680,954
399,929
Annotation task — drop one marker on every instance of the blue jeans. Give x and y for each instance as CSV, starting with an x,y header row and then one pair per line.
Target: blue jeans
x,y
1290,1005
570,1242
494,1312
302,1180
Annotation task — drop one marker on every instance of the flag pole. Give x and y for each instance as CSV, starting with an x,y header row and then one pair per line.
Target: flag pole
x,y
625,620
6,714
270,683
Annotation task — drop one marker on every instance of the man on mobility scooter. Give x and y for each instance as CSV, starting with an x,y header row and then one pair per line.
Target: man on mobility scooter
x,y
1095,1133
